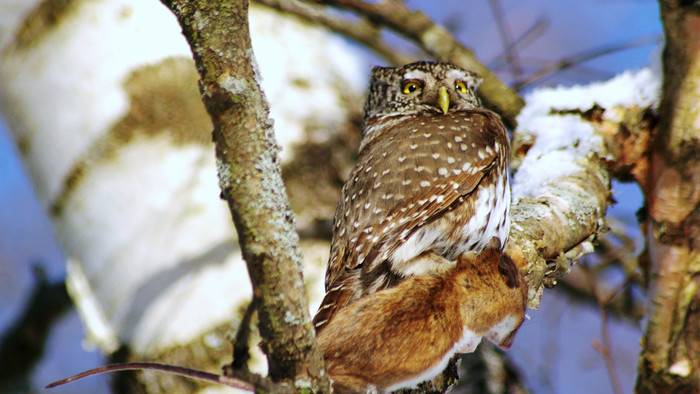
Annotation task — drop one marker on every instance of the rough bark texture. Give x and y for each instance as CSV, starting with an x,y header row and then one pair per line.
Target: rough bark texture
x,y
558,226
251,183
670,359
558,223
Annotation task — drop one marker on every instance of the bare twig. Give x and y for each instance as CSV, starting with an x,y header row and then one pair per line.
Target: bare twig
x,y
488,370
605,349
190,373
511,53
576,287
570,61
532,33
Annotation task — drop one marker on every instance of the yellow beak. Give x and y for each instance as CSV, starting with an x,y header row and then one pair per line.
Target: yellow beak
x,y
444,99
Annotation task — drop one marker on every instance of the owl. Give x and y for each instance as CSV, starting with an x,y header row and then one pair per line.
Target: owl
x,y
430,183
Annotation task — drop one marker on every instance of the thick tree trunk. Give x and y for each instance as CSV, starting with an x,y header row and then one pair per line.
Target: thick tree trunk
x,y
670,359
251,183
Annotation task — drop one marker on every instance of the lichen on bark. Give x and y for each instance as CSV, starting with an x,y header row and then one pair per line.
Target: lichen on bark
x,y
250,179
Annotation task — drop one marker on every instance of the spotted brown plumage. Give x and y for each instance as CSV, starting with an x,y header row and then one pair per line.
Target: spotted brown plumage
x,y
431,179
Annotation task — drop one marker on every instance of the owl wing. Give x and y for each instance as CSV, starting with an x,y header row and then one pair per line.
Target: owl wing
x,y
418,212
411,175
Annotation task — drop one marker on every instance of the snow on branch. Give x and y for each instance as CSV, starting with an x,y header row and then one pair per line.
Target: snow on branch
x,y
566,144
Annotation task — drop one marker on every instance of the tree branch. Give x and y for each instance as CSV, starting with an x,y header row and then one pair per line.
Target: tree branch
x,y
563,159
558,224
670,359
559,214
363,31
440,44
251,183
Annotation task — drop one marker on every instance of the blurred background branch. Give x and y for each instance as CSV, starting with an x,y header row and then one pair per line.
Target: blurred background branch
x,y
22,345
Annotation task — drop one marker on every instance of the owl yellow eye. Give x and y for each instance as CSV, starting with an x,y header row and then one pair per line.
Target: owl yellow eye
x,y
460,87
410,87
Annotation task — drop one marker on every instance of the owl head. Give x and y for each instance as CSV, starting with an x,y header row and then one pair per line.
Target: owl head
x,y
420,88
